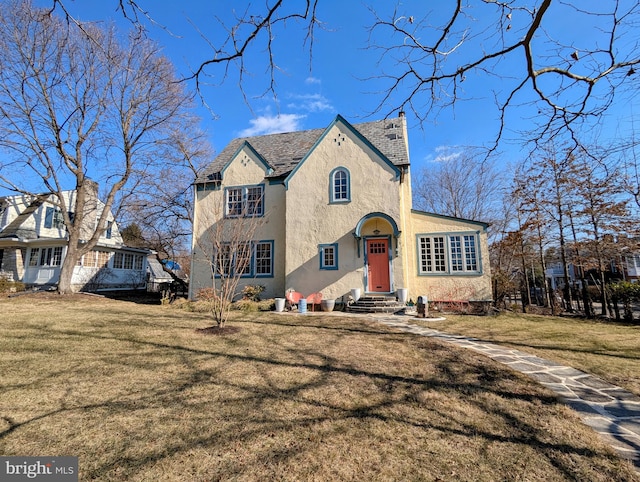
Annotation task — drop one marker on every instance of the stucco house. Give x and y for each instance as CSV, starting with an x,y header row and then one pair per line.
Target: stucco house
x,y
336,214
33,244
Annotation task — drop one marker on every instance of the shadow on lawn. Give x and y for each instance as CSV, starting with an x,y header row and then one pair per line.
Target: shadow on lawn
x,y
243,417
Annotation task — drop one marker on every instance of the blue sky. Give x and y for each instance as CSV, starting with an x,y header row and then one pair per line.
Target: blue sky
x,y
340,80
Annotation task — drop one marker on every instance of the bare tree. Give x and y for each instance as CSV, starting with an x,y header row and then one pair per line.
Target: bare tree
x,y
546,187
73,107
227,245
161,204
251,33
603,212
462,186
535,227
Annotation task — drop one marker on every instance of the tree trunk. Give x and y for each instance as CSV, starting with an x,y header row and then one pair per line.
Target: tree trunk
x,y
616,310
66,271
70,260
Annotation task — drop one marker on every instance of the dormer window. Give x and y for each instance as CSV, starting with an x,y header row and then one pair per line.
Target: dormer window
x,y
53,218
340,185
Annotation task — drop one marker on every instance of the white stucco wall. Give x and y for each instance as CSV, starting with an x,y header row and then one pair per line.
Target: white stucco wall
x,y
312,219
450,286
243,170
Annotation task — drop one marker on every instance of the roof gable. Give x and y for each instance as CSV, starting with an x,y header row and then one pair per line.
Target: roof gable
x,y
341,120
246,145
283,152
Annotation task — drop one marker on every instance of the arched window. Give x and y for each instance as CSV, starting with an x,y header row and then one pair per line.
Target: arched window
x,y
340,185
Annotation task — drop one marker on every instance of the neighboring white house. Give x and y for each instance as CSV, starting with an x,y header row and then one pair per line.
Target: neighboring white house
x,y
336,204
33,244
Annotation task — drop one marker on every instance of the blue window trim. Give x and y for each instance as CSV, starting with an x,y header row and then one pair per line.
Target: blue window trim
x,y
252,263
332,187
208,186
447,242
253,260
245,190
321,248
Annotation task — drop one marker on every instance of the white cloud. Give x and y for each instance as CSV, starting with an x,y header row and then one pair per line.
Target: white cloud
x,y
444,154
272,124
312,80
310,103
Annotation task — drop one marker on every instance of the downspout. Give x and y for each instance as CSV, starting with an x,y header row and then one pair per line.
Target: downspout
x,y
193,240
405,178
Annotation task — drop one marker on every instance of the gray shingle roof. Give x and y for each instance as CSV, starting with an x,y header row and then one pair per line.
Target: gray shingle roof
x,y
283,152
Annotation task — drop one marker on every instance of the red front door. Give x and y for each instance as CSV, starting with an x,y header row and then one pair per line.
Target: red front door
x,y
378,265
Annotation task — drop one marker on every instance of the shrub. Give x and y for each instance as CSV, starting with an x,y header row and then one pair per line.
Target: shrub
x,y
7,286
249,306
245,305
207,294
252,292
625,293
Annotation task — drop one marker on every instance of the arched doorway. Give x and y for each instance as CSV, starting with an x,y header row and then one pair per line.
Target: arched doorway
x,y
378,232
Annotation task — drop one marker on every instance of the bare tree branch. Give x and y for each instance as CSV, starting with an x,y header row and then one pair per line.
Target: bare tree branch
x,y
425,65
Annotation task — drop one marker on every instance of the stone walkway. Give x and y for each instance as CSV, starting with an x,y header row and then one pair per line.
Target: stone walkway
x,y
611,411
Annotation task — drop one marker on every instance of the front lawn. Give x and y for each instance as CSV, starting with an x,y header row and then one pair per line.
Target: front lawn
x,y
138,394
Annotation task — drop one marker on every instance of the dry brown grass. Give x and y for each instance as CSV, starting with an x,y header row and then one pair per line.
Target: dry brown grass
x,y
605,349
138,394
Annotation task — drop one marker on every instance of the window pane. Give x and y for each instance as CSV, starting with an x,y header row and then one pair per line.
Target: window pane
x,y
263,259
243,259
471,259
45,256
439,254
89,259
33,257
128,261
329,256
48,218
254,201
425,255
118,260
340,186
138,262
455,245
56,259
223,260
103,258
58,219
234,202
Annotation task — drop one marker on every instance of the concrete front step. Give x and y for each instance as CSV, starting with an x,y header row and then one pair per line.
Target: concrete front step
x,y
374,309
376,304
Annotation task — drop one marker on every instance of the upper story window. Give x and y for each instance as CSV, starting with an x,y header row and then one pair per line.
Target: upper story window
x,y
109,230
53,218
448,254
340,185
244,201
